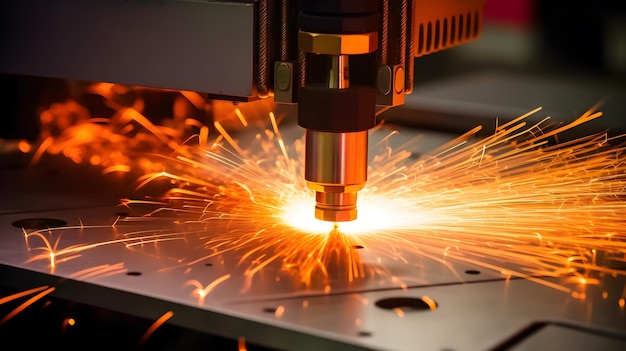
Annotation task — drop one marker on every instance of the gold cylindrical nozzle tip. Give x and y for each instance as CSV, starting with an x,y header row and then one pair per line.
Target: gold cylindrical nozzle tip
x,y
335,207
336,168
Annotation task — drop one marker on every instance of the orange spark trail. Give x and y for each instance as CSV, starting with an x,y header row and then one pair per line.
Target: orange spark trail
x,y
517,201
99,271
21,294
158,323
201,292
241,344
26,303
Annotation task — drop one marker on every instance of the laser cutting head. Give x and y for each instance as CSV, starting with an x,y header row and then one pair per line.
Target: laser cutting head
x,y
384,36
339,60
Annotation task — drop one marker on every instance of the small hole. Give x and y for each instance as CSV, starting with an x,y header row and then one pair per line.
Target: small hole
x,y
269,310
358,247
209,264
407,303
39,223
134,273
364,333
472,272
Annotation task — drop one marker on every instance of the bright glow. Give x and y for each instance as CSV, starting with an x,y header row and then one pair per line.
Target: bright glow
x,y
67,322
280,310
202,291
241,344
376,213
24,146
299,214
430,302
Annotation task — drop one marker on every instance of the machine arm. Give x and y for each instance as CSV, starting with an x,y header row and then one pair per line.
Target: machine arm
x,y
339,60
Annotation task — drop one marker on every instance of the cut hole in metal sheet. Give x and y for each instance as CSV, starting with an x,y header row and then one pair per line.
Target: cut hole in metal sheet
x,y
38,223
407,303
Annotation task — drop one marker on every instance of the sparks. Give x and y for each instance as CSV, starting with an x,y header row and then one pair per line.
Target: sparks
x,y
158,323
517,201
40,294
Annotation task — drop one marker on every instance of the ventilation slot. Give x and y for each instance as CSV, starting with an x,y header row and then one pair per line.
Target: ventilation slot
x,y
447,32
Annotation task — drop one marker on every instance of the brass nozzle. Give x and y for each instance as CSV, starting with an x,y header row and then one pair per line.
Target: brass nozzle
x,y
336,168
335,206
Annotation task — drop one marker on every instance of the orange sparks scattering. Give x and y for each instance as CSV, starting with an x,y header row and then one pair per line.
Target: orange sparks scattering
x,y
66,324
241,344
517,201
24,146
41,292
280,310
430,302
159,322
201,292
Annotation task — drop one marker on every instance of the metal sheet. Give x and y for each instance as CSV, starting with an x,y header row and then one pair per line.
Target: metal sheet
x,y
146,279
561,337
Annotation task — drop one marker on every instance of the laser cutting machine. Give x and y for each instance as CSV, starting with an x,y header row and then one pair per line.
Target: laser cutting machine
x,y
340,64
338,60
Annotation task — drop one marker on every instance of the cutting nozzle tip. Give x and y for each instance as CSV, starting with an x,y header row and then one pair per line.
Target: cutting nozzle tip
x,y
335,206
333,215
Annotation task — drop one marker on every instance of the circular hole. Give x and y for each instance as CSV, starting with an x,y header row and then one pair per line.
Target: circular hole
x,y
209,264
472,271
133,273
358,247
269,310
39,223
407,303
364,333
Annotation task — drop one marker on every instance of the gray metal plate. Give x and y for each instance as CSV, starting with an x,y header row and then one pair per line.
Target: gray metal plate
x,y
476,308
